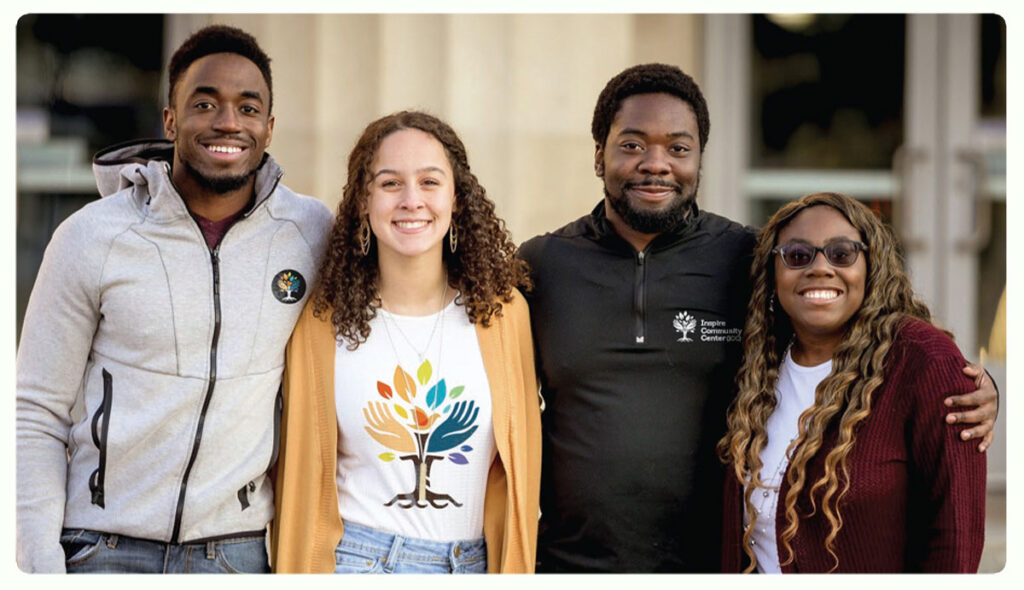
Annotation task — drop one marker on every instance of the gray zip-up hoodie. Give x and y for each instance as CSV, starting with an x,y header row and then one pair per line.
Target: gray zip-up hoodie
x,y
149,366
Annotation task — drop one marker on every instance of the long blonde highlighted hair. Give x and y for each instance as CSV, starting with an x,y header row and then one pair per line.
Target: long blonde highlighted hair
x,y
844,395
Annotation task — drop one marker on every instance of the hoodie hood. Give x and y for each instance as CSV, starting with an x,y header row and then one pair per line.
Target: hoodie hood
x,y
148,162
117,167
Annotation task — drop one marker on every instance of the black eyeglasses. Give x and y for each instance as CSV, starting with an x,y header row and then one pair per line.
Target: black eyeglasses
x,y
839,253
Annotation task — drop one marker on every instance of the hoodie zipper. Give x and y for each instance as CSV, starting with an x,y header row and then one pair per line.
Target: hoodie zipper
x,y
197,439
244,491
639,297
99,437
215,260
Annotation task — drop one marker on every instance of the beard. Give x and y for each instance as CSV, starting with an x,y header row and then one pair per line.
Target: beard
x,y
218,184
656,221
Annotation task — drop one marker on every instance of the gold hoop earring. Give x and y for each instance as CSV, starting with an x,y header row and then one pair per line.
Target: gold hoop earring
x,y
453,237
364,237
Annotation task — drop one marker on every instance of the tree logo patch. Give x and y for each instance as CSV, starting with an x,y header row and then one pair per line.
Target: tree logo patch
x,y
288,286
704,330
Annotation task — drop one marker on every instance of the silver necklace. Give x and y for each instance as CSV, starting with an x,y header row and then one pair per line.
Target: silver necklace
x,y
766,493
769,486
439,320
768,490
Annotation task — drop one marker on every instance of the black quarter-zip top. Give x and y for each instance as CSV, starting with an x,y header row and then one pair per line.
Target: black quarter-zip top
x,y
637,352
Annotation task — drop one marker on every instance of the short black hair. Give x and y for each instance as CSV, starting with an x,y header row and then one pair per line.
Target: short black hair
x,y
218,39
648,79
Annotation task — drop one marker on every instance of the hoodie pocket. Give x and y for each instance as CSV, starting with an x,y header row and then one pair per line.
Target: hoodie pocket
x,y
99,438
244,491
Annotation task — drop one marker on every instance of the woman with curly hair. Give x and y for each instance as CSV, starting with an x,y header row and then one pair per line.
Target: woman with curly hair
x,y
839,452
411,421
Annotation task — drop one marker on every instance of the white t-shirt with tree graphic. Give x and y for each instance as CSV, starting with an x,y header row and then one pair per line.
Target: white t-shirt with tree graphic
x,y
415,439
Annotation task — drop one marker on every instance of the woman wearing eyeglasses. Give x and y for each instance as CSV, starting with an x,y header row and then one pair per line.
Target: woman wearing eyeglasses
x,y
841,460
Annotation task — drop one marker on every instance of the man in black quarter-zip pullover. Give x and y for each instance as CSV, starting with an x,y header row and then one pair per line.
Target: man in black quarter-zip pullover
x,y
637,313
151,355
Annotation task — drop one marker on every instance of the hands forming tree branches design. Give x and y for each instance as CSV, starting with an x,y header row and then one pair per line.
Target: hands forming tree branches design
x,y
455,429
386,429
413,431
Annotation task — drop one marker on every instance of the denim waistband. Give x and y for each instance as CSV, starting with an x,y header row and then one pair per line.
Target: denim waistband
x,y
88,551
411,549
112,539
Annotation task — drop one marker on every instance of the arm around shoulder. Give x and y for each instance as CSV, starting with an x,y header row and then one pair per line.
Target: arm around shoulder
x,y
949,475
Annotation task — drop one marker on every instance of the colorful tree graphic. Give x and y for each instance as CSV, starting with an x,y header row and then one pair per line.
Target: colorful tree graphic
x,y
288,283
414,429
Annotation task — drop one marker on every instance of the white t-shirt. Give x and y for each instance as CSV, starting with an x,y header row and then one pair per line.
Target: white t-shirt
x,y
794,393
415,445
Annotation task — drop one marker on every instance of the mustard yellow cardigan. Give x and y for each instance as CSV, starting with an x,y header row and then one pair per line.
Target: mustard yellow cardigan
x,y
307,527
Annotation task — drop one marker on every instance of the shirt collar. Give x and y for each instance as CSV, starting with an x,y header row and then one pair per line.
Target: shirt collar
x,y
605,232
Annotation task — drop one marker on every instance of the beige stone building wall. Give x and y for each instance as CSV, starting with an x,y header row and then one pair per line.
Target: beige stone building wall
x,y
519,89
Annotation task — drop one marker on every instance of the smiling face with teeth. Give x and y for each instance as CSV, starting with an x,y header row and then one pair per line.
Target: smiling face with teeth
x,y
220,125
820,299
411,196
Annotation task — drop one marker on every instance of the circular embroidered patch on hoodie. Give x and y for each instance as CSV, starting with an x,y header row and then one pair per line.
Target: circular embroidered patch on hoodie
x,y
288,286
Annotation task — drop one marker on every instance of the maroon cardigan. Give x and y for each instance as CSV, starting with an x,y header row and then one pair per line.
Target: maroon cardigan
x,y
916,501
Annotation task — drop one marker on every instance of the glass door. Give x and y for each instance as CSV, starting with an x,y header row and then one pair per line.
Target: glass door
x,y
906,113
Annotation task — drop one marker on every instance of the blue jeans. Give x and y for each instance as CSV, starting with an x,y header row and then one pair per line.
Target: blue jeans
x,y
92,552
363,550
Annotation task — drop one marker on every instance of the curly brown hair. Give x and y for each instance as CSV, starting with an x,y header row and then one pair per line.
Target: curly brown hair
x,y
485,267
857,369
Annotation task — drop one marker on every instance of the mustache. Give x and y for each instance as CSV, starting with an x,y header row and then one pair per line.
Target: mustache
x,y
652,181
240,137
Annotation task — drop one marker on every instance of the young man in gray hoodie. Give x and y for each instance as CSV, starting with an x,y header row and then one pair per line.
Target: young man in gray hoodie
x,y
150,362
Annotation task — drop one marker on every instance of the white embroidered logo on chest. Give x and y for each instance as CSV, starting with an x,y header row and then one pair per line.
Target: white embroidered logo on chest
x,y
684,323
